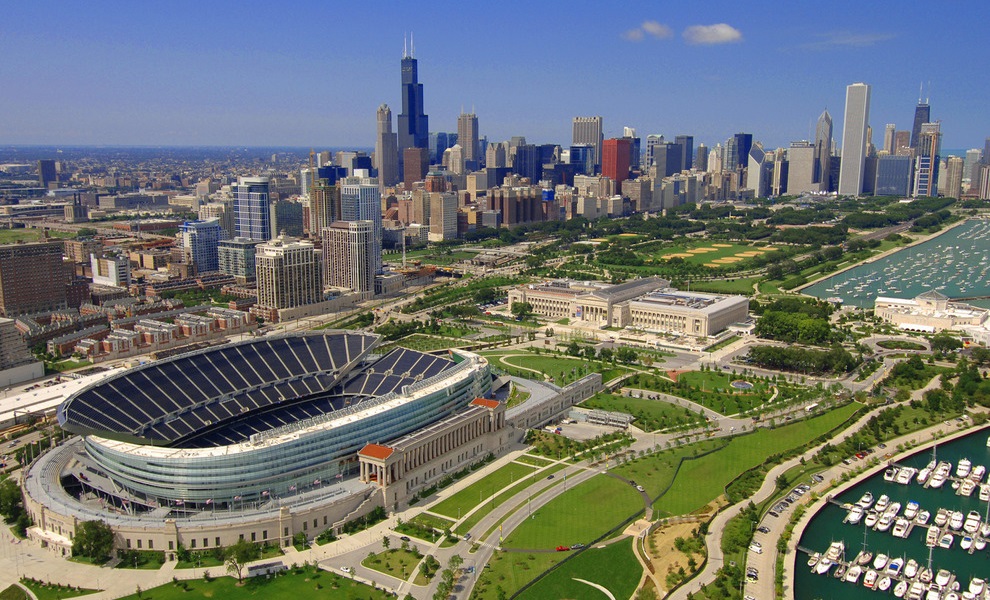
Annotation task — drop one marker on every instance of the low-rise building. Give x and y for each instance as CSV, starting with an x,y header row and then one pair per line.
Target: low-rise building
x,y
929,312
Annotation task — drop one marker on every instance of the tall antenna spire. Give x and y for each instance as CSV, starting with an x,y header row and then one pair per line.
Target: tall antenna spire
x,y
405,45
412,46
921,91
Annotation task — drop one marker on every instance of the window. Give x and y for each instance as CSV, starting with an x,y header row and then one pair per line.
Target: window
x,y
253,536
151,544
305,526
264,535
241,537
171,545
324,519
139,543
217,542
128,543
206,542
192,543
285,533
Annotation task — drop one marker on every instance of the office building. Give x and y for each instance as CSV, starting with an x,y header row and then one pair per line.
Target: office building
x,y
616,160
47,173
984,190
823,152
854,125
588,130
927,156
647,159
348,248
954,177
667,158
902,143
32,278
759,170
324,206
686,143
582,156
737,151
287,218
363,202
199,240
497,155
922,115
802,165
438,143
893,175
288,275
112,270
414,127
467,137
222,211
443,217
629,133
700,162
236,258
252,208
971,169
307,177
386,150
415,165
527,162
888,138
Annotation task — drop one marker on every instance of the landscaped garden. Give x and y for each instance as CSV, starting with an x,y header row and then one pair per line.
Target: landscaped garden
x,y
711,389
462,502
650,415
614,567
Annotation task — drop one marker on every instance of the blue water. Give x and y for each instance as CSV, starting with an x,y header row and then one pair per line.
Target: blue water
x,y
827,526
956,263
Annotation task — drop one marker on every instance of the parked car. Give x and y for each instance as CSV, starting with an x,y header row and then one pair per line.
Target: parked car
x,y
563,548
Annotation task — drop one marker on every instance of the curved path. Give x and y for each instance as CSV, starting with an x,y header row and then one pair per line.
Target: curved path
x,y
598,587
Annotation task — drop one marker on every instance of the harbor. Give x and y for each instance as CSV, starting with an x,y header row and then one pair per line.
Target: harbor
x,y
918,528
958,259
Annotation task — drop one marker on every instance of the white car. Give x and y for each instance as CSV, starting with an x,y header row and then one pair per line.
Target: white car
x,y
756,549
346,569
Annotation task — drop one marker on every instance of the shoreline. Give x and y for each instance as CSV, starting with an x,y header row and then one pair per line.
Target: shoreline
x,y
815,507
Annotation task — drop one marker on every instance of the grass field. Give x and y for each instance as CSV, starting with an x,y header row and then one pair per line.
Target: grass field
x,y
695,253
651,415
14,592
711,389
509,571
459,504
701,481
561,369
53,592
301,583
656,472
614,567
742,287
502,498
536,461
581,514
396,562
12,236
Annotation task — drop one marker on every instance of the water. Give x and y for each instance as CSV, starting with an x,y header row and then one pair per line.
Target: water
x,y
827,526
956,263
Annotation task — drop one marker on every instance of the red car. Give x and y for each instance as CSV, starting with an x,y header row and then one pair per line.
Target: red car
x,y
563,548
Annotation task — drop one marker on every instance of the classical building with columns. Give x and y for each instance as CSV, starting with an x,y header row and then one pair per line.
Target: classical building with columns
x,y
420,459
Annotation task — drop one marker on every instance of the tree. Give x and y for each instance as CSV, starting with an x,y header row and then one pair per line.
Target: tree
x,y
239,555
455,562
386,542
94,540
521,310
10,500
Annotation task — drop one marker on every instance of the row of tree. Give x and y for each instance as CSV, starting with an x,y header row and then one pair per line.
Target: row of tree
x,y
804,360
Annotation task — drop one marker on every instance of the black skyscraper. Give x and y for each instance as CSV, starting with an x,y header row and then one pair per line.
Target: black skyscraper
x,y
414,130
922,114
687,150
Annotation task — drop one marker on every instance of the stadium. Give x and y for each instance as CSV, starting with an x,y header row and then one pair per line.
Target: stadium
x,y
268,428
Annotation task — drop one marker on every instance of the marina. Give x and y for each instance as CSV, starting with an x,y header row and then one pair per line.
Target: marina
x,y
955,263
918,537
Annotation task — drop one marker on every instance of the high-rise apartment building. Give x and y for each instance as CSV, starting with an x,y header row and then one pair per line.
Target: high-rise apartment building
x,y
386,149
443,217
307,177
324,206
588,130
802,165
348,248
467,137
926,160
823,151
700,162
288,274
922,115
954,176
252,208
415,165
363,202
32,278
414,126
616,160
971,169
199,240
854,139
287,218
902,143
236,257
222,211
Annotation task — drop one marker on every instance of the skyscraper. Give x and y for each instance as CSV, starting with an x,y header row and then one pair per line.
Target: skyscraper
x,y
922,115
823,151
32,278
252,208
700,162
386,149
414,127
954,176
687,150
803,164
236,257
893,176
199,243
46,172
888,138
588,130
415,165
324,206
348,247
616,159
288,275
854,139
926,160
363,202
467,137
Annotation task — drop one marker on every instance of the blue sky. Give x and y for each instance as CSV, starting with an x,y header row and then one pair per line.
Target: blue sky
x,y
313,74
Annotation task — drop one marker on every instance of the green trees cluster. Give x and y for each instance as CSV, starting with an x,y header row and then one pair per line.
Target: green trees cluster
x,y
12,506
804,360
93,540
795,320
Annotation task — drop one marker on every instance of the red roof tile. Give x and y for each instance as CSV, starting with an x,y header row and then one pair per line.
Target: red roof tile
x,y
485,402
376,451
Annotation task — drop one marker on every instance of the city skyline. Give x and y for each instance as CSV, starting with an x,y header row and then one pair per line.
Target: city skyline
x,y
112,78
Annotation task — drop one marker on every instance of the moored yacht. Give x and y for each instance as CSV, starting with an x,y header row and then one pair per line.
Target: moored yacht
x,y
911,568
853,573
870,579
931,539
942,577
882,503
864,557
855,515
964,467
972,524
941,517
956,520
884,584
900,589
866,500
966,543
890,473
871,518
885,522
901,528
905,475
911,510
894,566
922,518
946,541
880,561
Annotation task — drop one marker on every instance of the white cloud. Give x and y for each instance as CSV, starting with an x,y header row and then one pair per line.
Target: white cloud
x,y
848,39
719,33
657,30
652,28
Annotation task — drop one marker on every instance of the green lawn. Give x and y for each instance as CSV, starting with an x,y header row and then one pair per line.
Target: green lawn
x,y
615,567
52,592
459,504
743,287
711,389
562,369
581,514
651,415
396,562
299,584
706,257
656,472
502,498
536,461
14,592
12,236
701,481
509,571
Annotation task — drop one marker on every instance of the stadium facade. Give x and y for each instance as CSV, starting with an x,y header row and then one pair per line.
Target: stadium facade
x,y
260,440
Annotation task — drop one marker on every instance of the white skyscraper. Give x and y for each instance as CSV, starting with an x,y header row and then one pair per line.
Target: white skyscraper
x,y
854,125
363,202
348,248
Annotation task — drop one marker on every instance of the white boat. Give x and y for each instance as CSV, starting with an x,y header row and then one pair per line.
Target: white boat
x,y
823,565
980,543
926,575
963,468
915,590
885,522
855,515
840,571
972,524
880,561
984,492
941,517
900,589
985,529
853,573
813,559
942,577
922,518
905,475
966,543
956,520
946,541
923,475
884,584
894,566
882,503
890,473
911,569
978,472
871,518
977,585
835,550
967,487
893,508
931,539
870,579
864,557
988,441
901,526
934,593
866,500
911,510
